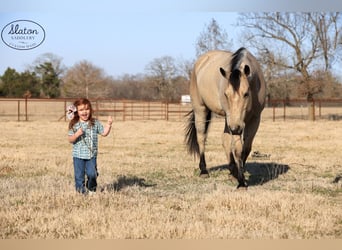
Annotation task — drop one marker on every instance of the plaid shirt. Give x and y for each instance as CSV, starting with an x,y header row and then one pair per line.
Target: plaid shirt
x,y
85,147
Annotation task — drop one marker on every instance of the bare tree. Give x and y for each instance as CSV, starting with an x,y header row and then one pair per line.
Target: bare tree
x,y
211,38
54,60
298,41
161,72
185,68
328,29
134,87
85,79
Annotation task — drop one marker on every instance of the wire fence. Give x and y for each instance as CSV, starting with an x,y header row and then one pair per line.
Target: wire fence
x,y
29,109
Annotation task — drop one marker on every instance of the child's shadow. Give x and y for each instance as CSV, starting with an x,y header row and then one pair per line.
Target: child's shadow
x,y
124,181
260,172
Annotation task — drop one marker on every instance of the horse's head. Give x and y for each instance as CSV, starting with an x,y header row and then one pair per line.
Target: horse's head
x,y
237,95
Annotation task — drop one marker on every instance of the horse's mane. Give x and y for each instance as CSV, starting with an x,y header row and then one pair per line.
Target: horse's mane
x,y
237,58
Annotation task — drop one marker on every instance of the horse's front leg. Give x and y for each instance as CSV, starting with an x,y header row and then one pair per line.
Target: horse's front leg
x,y
233,146
237,151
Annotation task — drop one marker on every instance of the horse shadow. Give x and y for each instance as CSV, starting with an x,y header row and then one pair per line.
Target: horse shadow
x,y
259,172
124,181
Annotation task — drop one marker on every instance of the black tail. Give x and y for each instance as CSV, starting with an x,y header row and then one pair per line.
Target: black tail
x,y
191,134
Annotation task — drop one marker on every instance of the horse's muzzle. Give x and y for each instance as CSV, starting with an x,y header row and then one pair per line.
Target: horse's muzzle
x,y
235,130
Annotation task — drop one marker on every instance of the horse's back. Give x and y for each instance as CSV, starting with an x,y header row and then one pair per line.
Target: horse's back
x,y
208,64
204,85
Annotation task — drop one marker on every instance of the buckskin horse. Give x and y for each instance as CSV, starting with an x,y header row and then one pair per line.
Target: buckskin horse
x,y
231,85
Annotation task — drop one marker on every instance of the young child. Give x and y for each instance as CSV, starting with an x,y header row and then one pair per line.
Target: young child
x,y
83,134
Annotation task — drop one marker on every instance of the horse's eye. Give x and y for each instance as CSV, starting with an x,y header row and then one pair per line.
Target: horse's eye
x,y
246,95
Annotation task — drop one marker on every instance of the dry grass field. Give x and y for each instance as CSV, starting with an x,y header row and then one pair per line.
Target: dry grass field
x,y
150,187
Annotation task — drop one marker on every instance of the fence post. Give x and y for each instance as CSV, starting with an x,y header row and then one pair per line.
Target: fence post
x,y
132,111
179,111
18,110
64,110
167,111
26,118
284,113
124,111
311,110
97,109
273,106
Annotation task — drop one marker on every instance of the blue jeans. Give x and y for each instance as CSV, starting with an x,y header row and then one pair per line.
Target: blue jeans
x,y
84,167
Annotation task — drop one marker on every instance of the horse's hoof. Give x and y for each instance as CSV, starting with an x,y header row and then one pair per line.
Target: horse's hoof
x,y
204,174
242,186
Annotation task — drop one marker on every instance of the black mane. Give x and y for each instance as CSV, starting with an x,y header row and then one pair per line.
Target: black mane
x,y
237,58
234,67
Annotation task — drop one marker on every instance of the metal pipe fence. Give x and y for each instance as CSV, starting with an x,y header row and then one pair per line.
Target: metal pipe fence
x,y
30,109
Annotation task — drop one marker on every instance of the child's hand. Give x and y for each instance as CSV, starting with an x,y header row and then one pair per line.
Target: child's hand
x,y
108,127
110,121
79,132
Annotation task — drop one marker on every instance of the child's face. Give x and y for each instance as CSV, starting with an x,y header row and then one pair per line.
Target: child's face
x,y
83,112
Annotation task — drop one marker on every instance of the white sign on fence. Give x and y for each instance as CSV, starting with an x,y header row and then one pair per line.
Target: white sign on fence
x,y
185,99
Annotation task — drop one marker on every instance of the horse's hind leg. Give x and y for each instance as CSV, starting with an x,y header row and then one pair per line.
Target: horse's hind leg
x,y
202,121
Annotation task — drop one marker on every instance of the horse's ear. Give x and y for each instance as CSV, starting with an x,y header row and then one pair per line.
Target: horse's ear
x,y
223,72
247,70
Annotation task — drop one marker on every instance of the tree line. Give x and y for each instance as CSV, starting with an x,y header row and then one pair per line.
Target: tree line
x,y
46,79
296,50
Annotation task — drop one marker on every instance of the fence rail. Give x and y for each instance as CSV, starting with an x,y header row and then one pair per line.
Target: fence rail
x,y
330,109
22,109
29,109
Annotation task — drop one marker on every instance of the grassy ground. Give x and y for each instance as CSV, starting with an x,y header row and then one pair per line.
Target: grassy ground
x,y
150,187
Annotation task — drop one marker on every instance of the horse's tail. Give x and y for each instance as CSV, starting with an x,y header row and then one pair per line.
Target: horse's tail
x,y
191,135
